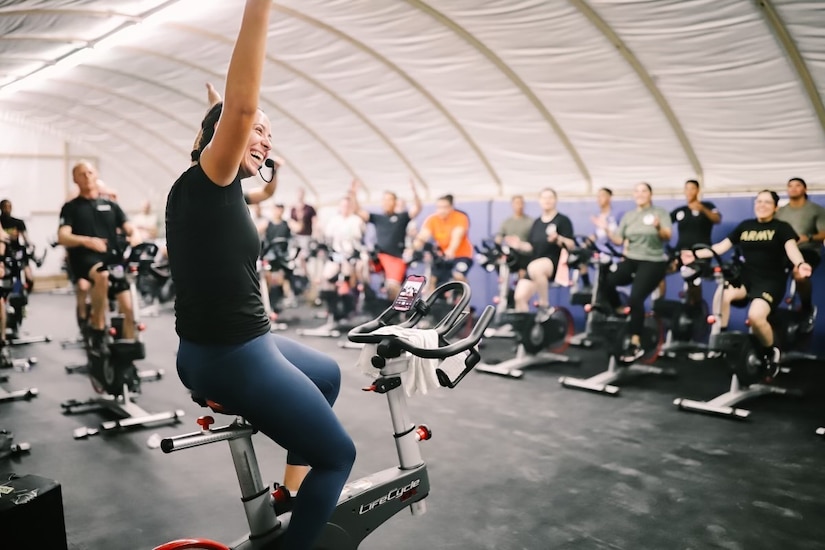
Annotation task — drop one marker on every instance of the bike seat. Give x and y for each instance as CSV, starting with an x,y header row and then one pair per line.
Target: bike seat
x,y
215,406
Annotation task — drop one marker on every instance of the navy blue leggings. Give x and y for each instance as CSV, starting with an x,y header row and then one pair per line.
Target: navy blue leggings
x,y
286,390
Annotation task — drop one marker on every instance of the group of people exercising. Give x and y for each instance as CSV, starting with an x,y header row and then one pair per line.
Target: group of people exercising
x,y
794,232
227,353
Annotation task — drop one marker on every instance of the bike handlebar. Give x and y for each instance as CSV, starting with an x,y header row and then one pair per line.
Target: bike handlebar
x,y
365,333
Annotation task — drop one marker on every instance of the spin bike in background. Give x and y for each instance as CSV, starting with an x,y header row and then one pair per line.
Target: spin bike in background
x,y
275,257
688,325
340,300
739,351
16,260
585,255
499,258
111,366
367,503
612,329
155,285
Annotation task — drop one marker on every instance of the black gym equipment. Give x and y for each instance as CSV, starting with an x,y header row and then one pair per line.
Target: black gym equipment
x,y
738,349
15,284
340,300
110,362
155,285
586,254
275,256
686,325
499,258
612,329
541,336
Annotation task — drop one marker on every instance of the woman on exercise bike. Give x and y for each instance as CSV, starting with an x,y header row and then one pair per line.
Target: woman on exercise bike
x,y
549,233
763,241
643,232
227,354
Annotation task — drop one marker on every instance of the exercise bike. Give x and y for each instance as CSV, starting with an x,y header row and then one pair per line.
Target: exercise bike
x,y
367,503
275,257
110,362
499,258
155,285
738,349
612,329
14,281
339,300
686,324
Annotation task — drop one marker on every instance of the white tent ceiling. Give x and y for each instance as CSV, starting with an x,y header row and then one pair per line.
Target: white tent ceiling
x,y
478,98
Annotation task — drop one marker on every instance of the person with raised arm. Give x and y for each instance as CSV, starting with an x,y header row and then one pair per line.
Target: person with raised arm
x,y
227,353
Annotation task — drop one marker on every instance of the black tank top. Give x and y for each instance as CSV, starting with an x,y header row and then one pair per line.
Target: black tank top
x,y
213,248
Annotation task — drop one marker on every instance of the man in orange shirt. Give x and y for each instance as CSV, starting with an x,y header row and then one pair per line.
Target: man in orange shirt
x,y
448,227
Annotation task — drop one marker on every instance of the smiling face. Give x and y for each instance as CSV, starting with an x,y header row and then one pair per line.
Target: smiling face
x,y
642,195
258,146
764,206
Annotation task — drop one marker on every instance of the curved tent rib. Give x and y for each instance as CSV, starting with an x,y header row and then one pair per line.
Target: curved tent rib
x,y
523,87
646,79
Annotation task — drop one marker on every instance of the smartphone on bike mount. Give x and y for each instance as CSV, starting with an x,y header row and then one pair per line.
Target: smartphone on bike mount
x,y
410,290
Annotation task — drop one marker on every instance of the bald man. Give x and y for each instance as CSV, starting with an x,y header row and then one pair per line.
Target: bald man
x,y
88,230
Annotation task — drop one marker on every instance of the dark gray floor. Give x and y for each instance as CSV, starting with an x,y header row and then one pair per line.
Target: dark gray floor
x,y
514,464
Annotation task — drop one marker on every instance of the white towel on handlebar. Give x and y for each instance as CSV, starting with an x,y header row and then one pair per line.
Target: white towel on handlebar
x,y
420,374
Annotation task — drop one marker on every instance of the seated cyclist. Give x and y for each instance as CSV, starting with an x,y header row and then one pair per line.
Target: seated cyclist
x,y
643,232
764,241
548,234
390,233
89,227
344,231
449,229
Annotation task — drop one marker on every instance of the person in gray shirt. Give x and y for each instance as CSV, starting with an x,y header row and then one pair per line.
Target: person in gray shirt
x,y
517,225
808,220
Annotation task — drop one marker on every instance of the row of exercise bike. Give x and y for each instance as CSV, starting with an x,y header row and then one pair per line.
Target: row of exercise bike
x,y
673,328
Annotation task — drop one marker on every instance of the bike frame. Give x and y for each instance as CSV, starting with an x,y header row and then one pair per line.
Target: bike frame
x,y
364,505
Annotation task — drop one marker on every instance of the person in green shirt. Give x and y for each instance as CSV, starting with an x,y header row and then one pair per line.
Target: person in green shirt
x,y
808,220
643,232
518,225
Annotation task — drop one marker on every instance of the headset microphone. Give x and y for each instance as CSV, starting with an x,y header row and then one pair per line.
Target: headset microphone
x,y
269,163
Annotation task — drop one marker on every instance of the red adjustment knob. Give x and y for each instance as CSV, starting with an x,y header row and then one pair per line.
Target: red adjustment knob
x,y
423,432
711,319
588,308
113,331
141,327
369,388
204,422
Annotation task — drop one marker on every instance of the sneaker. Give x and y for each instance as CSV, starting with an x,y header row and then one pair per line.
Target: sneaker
x,y
631,354
806,326
281,499
770,362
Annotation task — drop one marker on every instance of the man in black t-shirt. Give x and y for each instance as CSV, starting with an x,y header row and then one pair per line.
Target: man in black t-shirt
x,y
695,221
88,230
277,235
390,234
